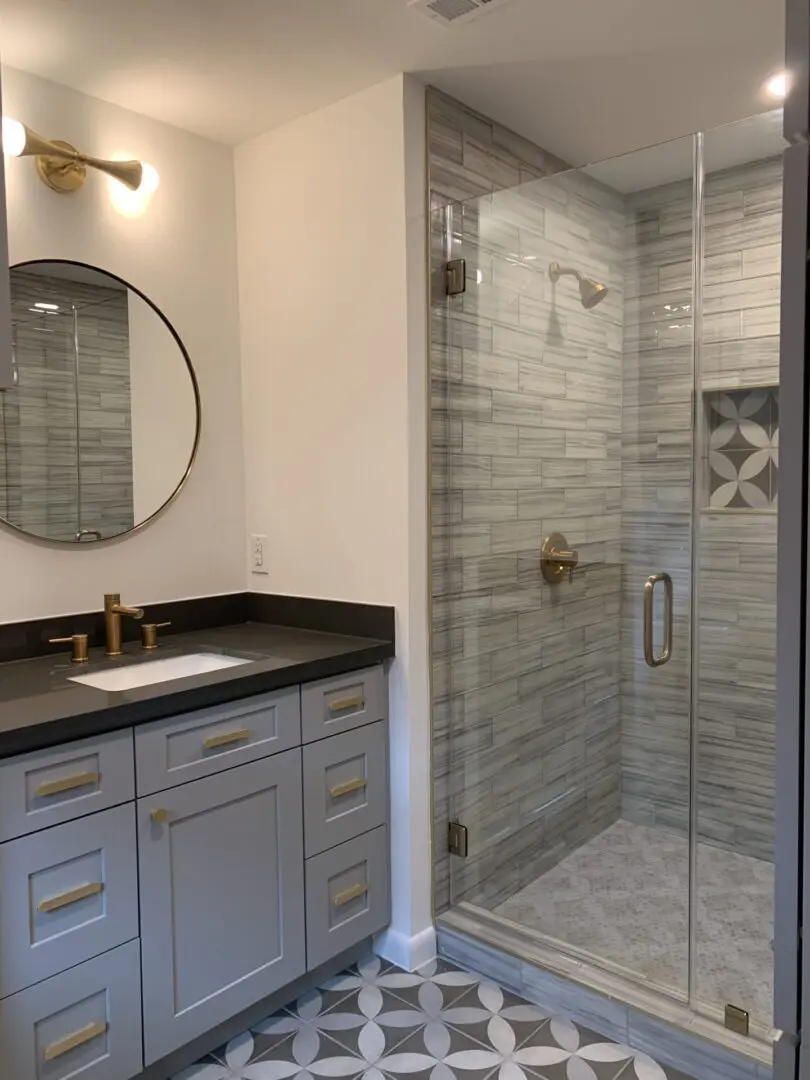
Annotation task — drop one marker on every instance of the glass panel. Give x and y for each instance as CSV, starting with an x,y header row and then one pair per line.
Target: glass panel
x,y
737,486
38,459
563,409
105,411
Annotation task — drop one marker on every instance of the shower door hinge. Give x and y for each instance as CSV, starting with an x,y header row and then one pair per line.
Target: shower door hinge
x,y
457,839
737,1019
455,277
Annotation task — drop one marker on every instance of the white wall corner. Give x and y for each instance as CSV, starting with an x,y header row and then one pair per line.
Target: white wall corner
x,y
409,953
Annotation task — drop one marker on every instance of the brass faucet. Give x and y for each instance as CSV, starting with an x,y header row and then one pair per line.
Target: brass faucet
x,y
113,610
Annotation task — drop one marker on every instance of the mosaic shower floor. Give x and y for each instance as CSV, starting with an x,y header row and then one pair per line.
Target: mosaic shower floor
x,y
378,1022
623,897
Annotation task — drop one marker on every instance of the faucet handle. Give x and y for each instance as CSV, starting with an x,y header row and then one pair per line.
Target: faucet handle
x,y
79,643
149,634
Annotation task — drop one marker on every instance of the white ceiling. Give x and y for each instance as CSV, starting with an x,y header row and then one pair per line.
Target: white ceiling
x,y
584,78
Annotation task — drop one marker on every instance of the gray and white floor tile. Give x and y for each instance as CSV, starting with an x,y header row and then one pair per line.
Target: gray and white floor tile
x,y
378,1022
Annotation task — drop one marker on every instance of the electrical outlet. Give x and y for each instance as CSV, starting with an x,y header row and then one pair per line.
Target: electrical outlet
x,y
257,553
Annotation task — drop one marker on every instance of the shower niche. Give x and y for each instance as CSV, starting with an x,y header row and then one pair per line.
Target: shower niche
x,y
742,448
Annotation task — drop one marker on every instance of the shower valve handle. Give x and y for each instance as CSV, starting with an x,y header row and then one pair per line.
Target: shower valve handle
x,y
557,559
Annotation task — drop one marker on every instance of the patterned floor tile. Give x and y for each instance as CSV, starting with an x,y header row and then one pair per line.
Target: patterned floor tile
x,y
451,981
439,1054
474,1010
381,1023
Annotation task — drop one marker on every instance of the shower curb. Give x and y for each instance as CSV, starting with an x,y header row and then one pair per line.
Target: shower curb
x,y
613,1006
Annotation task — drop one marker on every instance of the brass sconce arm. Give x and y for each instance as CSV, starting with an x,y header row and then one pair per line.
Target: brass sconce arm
x,y
61,166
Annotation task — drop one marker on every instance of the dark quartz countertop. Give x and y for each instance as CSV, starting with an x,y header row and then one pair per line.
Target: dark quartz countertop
x,y
40,707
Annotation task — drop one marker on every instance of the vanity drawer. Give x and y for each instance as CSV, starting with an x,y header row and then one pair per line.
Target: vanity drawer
x,y
85,1022
68,894
332,706
47,787
173,751
345,786
347,895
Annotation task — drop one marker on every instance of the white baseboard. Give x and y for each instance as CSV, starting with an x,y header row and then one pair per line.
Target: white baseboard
x,y
409,953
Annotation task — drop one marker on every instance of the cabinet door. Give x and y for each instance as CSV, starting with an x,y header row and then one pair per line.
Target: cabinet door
x,y
6,361
222,897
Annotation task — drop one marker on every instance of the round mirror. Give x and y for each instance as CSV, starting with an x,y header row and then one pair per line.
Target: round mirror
x,y
101,430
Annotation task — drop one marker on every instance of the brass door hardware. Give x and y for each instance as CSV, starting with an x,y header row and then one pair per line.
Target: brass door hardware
x,y
736,1019
557,559
455,277
342,898
347,787
149,634
347,703
78,1038
113,610
227,738
72,896
653,659
457,839
159,816
79,643
68,783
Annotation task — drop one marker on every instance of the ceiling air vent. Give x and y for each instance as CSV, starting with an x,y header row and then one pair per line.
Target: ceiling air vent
x,y
455,12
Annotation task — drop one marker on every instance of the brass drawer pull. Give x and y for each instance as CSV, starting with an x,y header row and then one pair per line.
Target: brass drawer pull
x,y
72,896
347,787
159,816
347,703
225,740
342,898
78,1038
55,787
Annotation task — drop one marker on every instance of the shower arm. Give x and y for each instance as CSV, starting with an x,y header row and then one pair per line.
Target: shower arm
x,y
556,271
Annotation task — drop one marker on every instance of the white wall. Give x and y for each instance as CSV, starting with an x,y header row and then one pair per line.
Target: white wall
x,y
182,253
331,223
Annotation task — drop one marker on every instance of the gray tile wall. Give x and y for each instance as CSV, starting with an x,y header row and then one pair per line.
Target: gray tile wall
x,y
526,440
39,478
737,569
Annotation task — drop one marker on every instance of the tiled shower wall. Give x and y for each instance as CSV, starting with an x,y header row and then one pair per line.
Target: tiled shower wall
x,y
737,575
39,478
526,441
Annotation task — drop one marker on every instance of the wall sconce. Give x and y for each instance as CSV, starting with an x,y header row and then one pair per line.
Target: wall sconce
x,y
64,169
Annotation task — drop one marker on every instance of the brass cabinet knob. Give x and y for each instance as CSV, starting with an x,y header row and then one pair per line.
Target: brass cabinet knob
x,y
159,816
79,643
149,634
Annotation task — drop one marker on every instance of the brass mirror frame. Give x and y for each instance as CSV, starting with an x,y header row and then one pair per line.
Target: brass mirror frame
x,y
197,405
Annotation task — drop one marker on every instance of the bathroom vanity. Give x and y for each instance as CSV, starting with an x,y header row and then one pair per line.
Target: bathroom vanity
x,y
174,854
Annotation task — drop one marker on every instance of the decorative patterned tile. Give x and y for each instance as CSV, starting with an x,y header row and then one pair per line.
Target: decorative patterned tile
x,y
448,1025
743,448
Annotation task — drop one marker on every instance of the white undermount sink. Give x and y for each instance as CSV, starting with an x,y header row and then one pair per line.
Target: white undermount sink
x,y
149,672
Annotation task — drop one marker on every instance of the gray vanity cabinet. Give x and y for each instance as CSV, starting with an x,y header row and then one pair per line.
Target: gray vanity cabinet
x,y
222,897
156,882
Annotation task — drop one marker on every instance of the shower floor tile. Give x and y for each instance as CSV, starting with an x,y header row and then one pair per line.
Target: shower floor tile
x,y
623,897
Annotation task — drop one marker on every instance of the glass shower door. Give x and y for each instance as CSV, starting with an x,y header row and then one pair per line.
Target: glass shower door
x,y
562,457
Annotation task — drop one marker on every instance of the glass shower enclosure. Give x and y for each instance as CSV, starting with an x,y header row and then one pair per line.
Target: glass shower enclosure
x,y
604,504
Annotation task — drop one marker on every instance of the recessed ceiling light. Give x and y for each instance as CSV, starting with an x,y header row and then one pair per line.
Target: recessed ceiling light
x,y
777,85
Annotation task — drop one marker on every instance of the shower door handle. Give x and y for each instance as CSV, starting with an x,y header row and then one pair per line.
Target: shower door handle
x,y
649,592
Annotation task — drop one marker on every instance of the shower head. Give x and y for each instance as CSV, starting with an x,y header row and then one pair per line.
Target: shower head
x,y
591,292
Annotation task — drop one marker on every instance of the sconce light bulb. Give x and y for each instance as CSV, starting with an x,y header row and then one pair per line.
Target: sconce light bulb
x,y
777,85
150,180
14,137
